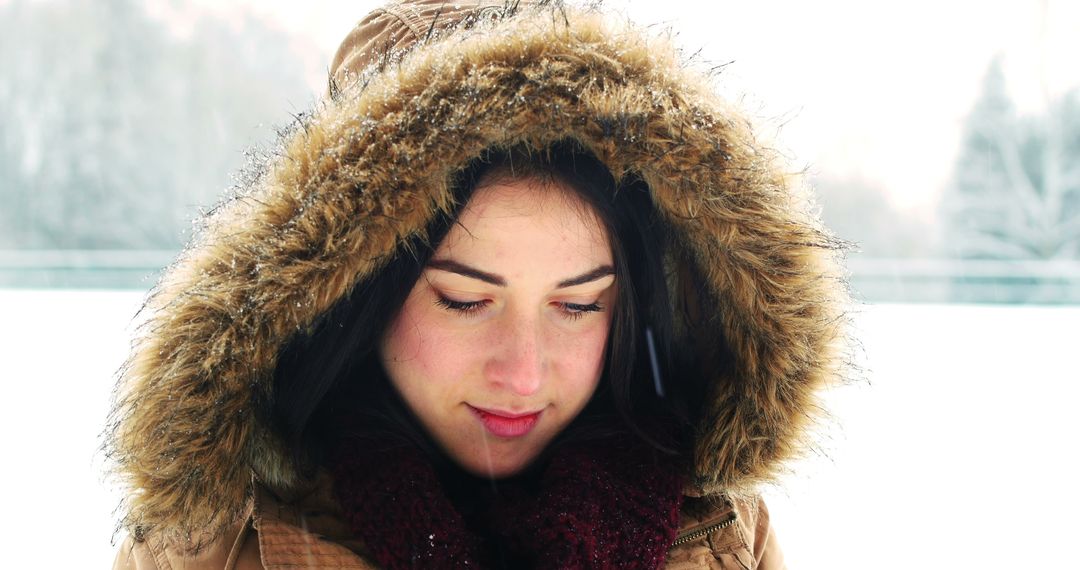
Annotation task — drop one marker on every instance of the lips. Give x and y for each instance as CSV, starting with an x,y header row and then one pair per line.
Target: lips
x,y
506,424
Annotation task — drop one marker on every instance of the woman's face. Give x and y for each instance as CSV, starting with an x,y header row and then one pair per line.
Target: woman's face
x,y
500,343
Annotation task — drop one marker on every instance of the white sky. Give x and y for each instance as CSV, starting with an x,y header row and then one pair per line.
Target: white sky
x,y
872,90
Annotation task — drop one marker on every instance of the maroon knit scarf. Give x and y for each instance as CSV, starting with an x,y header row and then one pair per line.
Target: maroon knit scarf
x,y
603,505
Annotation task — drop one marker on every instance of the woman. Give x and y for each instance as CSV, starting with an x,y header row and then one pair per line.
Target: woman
x,y
521,293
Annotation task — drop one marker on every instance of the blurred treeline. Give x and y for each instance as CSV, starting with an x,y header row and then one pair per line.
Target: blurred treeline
x,y
1007,227
115,132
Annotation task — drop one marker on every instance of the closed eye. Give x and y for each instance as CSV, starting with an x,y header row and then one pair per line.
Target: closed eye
x,y
575,311
571,311
463,307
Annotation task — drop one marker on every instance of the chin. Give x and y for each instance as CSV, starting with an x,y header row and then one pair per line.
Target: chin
x,y
497,468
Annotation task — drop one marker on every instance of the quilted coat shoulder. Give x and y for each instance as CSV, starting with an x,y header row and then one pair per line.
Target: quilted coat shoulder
x,y
714,534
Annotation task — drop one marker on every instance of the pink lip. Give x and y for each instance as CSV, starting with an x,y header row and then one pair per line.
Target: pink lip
x,y
506,424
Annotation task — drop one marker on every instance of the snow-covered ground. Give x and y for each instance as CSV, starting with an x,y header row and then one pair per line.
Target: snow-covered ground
x,y
960,451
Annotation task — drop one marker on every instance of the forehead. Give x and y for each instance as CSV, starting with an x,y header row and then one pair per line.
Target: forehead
x,y
527,212
526,195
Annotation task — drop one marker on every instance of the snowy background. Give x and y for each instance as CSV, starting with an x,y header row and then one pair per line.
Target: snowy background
x,y
958,452
943,138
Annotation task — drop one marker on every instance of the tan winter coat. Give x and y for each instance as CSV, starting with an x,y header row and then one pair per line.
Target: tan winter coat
x,y
418,90
716,533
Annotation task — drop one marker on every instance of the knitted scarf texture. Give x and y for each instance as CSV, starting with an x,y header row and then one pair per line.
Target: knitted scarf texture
x,y
611,504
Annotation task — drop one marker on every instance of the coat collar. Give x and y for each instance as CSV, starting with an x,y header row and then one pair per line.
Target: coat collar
x,y
308,528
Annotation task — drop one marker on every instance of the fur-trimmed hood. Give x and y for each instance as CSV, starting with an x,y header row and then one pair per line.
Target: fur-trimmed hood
x,y
372,165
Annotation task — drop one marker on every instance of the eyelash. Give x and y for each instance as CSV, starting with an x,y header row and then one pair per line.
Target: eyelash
x,y
467,308
571,311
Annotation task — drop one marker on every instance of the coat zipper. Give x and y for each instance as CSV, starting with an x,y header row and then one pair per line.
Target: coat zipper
x,y
698,533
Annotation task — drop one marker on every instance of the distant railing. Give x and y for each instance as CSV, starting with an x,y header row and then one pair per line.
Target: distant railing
x,y
873,280
83,268
966,280
69,259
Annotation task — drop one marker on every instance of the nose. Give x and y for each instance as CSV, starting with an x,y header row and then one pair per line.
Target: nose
x,y
518,361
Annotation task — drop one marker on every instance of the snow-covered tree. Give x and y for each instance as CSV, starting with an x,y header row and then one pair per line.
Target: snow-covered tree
x,y
114,132
1016,188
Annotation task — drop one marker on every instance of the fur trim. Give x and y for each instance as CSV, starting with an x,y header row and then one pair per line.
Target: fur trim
x,y
371,167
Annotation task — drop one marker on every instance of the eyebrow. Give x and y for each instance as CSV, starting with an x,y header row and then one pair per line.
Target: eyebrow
x,y
462,269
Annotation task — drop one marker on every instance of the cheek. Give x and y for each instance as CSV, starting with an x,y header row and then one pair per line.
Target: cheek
x,y
416,351
403,342
583,360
